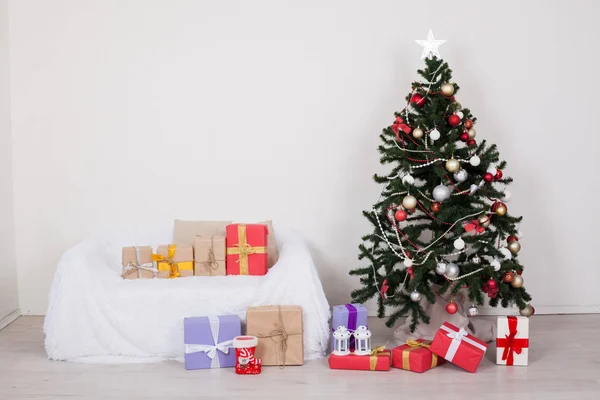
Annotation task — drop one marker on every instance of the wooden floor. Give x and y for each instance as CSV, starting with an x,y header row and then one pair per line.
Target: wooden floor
x,y
564,364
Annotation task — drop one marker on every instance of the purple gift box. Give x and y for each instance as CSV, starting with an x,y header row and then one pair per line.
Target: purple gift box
x,y
209,341
351,316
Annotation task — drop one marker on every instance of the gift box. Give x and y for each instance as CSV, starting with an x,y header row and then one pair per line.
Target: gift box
x,y
512,342
279,332
351,316
458,346
379,360
209,255
173,261
246,249
209,341
415,356
137,262
184,232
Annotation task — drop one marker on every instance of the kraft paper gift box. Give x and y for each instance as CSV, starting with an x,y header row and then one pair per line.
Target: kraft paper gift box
x,y
415,356
351,316
459,347
209,255
247,249
512,342
379,360
174,261
137,262
184,232
279,332
209,341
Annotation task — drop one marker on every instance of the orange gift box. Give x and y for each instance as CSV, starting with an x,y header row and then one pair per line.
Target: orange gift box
x,y
246,249
379,360
415,356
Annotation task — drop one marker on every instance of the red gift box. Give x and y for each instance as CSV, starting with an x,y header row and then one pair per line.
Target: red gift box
x,y
415,356
459,347
379,360
246,249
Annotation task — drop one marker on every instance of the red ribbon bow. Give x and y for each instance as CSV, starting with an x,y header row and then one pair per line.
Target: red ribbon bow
x,y
400,125
384,289
474,225
510,343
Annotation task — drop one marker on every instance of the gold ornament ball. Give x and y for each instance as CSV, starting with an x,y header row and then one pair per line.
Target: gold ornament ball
x,y
501,210
527,311
409,202
418,133
452,165
447,89
485,220
517,281
514,247
472,133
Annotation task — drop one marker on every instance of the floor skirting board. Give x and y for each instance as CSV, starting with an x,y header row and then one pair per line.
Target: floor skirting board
x,y
4,322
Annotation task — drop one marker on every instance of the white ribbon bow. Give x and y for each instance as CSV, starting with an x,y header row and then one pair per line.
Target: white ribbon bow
x,y
209,349
457,338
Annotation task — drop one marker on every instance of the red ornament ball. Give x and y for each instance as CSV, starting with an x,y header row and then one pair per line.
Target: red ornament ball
x,y
488,177
451,308
401,215
468,124
454,120
492,284
508,277
520,272
471,142
512,238
435,206
464,137
417,99
498,173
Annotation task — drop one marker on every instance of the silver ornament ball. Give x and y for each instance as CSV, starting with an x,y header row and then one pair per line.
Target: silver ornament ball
x,y
440,268
434,134
441,193
473,311
461,175
475,161
459,244
452,271
476,260
415,296
409,202
496,265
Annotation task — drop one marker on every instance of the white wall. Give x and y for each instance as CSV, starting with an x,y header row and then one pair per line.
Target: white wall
x,y
126,111
9,300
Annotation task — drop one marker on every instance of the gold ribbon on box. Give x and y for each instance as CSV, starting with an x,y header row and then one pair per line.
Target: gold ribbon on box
x,y
279,331
377,351
412,345
166,263
243,249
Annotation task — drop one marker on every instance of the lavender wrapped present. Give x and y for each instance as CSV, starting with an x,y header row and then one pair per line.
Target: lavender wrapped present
x,y
209,341
351,316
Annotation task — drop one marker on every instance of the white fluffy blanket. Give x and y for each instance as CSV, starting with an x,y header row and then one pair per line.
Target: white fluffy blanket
x,y
95,316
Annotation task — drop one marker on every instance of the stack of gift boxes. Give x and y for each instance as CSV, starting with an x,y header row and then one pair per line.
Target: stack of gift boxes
x,y
204,249
352,348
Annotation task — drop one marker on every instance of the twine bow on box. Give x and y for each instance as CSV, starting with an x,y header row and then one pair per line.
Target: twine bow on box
x,y
211,264
137,267
279,332
244,249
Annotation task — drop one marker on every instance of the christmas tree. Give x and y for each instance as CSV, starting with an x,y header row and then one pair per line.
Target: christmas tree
x,y
441,223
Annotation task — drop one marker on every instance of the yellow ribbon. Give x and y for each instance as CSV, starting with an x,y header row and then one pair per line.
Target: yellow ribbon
x,y
166,263
412,345
374,356
243,249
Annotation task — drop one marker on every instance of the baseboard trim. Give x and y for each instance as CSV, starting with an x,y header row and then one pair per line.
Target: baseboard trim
x,y
6,321
539,310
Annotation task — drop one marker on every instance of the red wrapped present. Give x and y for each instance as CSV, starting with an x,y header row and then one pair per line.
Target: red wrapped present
x,y
415,356
246,249
459,347
379,360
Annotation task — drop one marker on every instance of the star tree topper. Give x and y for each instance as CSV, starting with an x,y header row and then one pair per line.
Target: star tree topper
x,y
430,46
